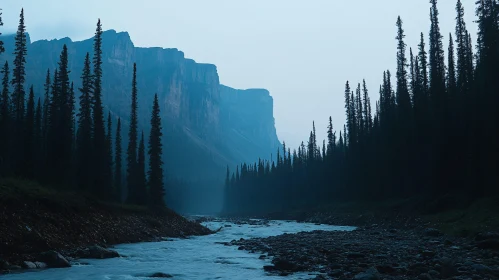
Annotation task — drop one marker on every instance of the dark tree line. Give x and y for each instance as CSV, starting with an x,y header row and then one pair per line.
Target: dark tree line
x,y
47,141
435,132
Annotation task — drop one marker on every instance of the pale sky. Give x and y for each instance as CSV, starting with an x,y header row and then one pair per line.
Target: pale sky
x,y
301,51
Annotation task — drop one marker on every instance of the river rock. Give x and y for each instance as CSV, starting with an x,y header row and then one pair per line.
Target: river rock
x,y
355,255
385,269
492,244
98,252
4,265
432,232
41,265
29,265
284,265
486,235
370,274
161,275
54,260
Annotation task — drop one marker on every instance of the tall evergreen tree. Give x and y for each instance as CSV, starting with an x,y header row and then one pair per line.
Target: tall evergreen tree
x,y
118,188
109,157
462,50
403,98
5,116
132,144
19,73
141,173
29,162
65,132
156,185
365,111
37,141
437,65
330,138
84,145
45,115
101,178
451,70
2,49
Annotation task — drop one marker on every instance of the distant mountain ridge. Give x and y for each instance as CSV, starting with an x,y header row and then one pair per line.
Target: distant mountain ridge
x,y
207,126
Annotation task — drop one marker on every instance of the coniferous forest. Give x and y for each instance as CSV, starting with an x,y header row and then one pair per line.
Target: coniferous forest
x,y
69,144
433,131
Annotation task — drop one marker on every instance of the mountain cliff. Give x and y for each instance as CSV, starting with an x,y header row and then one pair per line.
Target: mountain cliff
x,y
207,126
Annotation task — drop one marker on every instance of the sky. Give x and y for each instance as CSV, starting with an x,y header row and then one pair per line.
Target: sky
x,y
303,52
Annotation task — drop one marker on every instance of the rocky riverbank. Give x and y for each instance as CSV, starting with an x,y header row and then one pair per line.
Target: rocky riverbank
x,y
374,252
42,228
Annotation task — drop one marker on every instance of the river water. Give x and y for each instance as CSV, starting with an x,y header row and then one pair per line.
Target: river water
x,y
193,258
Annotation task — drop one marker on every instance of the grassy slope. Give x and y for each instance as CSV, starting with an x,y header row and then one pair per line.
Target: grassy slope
x,y
454,215
34,219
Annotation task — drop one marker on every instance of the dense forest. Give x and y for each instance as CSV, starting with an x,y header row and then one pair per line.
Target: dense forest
x,y
433,133
67,143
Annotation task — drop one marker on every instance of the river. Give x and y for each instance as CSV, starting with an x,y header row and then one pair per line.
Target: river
x,y
192,258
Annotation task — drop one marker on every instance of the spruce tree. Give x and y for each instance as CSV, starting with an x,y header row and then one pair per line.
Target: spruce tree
x,y
64,132
423,67
156,184
117,163
366,110
2,49
5,117
84,145
45,115
132,144
330,138
109,158
37,141
403,98
28,162
462,50
101,182
451,70
412,73
141,173
437,65
18,95
19,73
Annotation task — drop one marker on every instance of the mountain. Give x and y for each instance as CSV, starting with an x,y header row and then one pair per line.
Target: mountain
x,y
206,125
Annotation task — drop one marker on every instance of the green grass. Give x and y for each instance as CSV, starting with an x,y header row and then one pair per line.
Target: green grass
x,y
14,191
481,216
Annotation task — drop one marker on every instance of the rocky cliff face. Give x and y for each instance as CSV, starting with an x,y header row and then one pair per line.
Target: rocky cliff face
x,y
207,126
248,120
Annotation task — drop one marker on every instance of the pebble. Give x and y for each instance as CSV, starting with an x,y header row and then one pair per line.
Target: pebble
x,y
423,254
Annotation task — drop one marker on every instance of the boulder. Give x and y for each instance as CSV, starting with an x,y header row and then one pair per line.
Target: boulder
x,y
284,265
269,268
370,274
4,265
54,260
97,252
161,275
41,265
385,269
29,265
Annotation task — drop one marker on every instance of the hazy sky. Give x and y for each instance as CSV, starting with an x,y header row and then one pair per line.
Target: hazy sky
x,y
301,51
